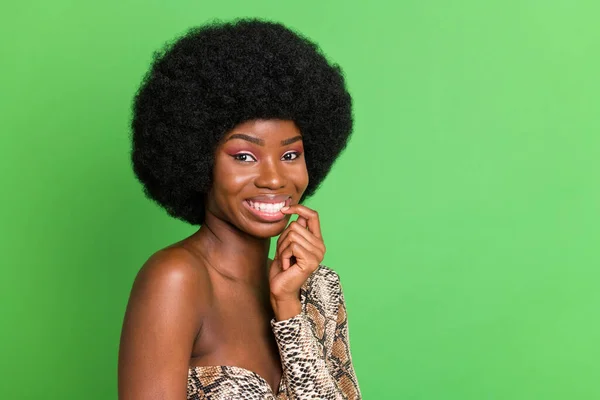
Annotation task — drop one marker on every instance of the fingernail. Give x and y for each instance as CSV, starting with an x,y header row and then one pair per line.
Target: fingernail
x,y
285,208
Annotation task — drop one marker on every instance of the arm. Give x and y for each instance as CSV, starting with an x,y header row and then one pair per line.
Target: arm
x,y
339,357
318,367
161,322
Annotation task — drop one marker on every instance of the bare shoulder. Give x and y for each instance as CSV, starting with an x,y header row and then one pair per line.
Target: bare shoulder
x,y
172,272
174,267
164,315
171,282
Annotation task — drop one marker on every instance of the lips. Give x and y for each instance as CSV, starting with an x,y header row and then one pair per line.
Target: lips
x,y
271,198
268,207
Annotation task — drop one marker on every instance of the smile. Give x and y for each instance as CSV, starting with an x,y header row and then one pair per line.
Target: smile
x,y
270,208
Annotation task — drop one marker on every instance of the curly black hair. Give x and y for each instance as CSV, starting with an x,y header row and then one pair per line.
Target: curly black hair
x,y
217,76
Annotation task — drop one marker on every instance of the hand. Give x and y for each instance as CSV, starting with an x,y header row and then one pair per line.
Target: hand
x,y
300,250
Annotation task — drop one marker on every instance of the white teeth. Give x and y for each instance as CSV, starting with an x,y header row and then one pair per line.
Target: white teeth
x,y
270,208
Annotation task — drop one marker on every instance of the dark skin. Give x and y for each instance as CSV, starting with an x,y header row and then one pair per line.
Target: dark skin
x,y
209,299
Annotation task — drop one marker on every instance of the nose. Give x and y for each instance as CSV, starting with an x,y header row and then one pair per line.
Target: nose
x,y
271,175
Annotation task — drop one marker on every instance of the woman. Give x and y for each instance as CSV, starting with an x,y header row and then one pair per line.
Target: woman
x,y
234,126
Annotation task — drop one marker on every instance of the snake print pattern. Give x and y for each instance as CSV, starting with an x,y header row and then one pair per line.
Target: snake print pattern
x,y
314,348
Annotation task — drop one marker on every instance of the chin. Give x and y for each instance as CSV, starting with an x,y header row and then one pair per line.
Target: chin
x,y
266,230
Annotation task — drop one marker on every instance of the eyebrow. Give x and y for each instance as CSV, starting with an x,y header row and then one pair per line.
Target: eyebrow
x,y
261,142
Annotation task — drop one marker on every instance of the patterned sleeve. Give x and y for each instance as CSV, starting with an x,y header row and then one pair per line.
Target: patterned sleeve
x,y
315,347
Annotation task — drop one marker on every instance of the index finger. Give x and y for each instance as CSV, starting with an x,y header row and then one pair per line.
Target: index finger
x,y
311,216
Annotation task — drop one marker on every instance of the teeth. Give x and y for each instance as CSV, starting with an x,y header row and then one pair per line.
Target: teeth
x,y
267,207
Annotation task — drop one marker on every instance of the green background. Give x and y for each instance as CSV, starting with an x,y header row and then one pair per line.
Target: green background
x,y
463,217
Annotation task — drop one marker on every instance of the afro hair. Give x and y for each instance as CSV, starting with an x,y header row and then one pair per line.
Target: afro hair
x,y
217,76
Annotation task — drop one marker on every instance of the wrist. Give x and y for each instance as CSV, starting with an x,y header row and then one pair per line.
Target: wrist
x,y
286,308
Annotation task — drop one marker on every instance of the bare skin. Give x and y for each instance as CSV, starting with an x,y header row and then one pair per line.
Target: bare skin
x,y
209,299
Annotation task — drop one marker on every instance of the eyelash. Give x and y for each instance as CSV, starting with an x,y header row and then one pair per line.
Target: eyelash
x,y
237,156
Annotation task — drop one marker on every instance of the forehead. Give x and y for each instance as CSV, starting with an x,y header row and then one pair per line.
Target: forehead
x,y
266,129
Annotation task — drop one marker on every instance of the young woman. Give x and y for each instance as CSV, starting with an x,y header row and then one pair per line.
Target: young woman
x,y
234,126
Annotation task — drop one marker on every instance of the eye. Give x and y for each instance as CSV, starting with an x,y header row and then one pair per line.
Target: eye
x,y
244,157
292,155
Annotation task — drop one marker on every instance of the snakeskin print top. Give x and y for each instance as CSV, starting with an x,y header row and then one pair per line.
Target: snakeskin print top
x,y
314,348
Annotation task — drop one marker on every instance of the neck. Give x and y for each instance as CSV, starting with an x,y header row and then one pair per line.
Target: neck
x,y
232,253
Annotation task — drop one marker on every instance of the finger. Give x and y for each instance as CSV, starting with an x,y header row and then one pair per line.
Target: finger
x,y
297,250
286,254
285,232
286,261
311,216
283,235
294,225
301,252
303,222
275,269
295,237
275,266
305,233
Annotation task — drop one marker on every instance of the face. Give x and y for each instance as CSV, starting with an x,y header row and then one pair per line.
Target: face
x,y
259,167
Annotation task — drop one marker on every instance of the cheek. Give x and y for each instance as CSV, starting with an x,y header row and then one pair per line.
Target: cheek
x,y
302,177
229,179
